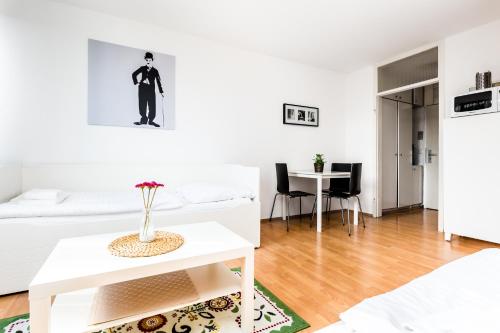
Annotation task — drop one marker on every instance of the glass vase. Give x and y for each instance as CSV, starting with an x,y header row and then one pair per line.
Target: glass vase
x,y
147,230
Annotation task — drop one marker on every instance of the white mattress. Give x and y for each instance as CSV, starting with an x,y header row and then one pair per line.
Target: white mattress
x,y
77,219
87,203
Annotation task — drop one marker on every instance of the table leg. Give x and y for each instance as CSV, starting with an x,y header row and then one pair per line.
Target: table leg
x,y
247,294
356,210
283,207
319,203
40,315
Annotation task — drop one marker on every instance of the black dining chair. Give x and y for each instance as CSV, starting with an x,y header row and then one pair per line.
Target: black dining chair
x,y
283,188
342,192
337,184
344,189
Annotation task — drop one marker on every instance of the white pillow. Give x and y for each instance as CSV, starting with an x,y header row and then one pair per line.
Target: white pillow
x,y
243,192
206,192
41,196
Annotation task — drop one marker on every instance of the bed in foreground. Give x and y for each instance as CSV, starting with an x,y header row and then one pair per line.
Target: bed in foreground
x,y
462,296
102,200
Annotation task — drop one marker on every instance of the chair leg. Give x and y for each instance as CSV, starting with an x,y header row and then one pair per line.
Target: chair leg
x,y
327,208
312,213
272,209
288,215
342,211
300,208
329,205
361,211
348,217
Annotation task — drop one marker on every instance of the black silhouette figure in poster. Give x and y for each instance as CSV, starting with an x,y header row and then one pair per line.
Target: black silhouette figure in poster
x,y
147,90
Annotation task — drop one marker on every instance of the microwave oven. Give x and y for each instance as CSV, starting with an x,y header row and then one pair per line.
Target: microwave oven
x,y
477,102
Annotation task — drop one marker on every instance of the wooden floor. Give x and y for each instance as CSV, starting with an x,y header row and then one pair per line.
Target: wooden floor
x,y
321,275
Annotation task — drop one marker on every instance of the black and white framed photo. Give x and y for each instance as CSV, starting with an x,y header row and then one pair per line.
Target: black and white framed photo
x,y
300,115
130,87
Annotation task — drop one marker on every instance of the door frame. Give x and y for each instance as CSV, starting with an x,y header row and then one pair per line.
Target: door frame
x,y
426,146
395,187
378,124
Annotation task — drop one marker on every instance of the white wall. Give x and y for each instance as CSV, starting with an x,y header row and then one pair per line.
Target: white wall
x,y
11,107
228,101
360,130
471,144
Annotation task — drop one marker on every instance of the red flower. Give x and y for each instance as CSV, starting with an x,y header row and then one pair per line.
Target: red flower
x,y
152,184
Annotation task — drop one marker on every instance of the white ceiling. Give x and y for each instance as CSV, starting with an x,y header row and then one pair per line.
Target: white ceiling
x,y
341,35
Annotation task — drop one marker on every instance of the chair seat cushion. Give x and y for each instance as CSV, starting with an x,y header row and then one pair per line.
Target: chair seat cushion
x,y
296,194
338,194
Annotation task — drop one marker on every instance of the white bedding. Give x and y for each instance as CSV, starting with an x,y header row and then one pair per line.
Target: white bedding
x,y
88,203
107,203
460,297
186,208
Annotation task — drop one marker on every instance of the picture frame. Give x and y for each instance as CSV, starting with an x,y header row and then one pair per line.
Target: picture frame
x,y
130,87
301,115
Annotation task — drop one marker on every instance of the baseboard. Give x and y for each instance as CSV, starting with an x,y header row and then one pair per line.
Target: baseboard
x,y
291,216
401,209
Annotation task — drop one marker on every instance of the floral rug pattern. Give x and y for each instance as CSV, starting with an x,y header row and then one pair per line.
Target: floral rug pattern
x,y
219,315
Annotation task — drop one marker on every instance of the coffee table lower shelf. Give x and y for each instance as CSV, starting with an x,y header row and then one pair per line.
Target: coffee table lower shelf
x,y
71,311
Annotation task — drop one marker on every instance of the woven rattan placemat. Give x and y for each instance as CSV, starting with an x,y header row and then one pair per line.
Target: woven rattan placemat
x,y
131,246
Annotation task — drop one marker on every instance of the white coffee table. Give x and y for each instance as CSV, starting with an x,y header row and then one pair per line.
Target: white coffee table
x,y
61,294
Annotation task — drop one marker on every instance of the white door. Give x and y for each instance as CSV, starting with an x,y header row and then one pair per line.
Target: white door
x,y
389,154
405,161
431,166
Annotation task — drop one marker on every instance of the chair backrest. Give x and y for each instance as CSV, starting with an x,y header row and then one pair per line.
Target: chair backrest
x,y
340,184
282,178
355,180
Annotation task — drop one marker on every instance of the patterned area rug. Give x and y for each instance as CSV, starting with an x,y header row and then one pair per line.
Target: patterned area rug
x,y
219,315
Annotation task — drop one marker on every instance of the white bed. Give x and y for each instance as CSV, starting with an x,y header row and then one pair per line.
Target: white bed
x,y
25,242
460,297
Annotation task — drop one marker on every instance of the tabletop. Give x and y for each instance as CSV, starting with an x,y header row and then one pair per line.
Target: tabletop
x,y
324,174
